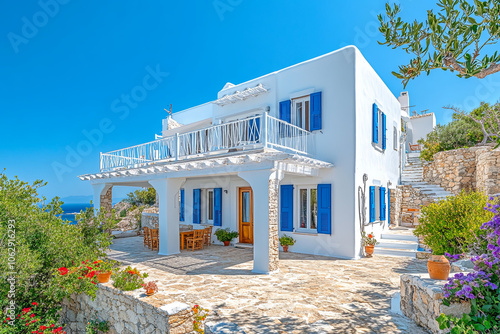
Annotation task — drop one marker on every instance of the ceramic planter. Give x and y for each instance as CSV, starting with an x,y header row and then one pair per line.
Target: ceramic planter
x,y
104,277
285,248
369,250
150,292
438,267
226,243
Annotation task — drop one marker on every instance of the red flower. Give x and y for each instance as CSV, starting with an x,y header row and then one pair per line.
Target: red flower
x,y
51,325
8,318
63,270
95,262
79,278
370,236
26,310
34,304
90,274
42,328
32,315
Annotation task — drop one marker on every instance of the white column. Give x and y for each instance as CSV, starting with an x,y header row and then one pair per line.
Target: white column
x,y
264,185
99,189
168,214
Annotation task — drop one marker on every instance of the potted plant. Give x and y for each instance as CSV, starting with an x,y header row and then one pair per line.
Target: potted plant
x,y
104,269
151,288
226,235
286,241
128,279
369,242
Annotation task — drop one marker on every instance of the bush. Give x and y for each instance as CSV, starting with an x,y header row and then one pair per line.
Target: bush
x,y
128,279
38,243
145,196
123,213
226,234
286,240
30,320
452,225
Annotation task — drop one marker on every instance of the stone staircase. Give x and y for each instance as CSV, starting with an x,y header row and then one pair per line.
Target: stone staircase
x,y
399,241
413,175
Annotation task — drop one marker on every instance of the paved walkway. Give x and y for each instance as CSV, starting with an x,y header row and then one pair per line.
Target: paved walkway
x,y
309,294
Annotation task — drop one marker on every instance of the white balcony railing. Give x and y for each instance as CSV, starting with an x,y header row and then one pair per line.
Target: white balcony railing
x,y
249,133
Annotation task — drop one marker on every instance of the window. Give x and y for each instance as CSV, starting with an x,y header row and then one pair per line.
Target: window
x,y
300,112
308,208
379,129
395,138
378,207
210,206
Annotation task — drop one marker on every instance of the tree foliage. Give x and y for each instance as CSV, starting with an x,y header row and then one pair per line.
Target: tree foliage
x,y
146,196
452,39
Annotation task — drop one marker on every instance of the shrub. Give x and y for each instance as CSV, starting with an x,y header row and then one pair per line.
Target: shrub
x,y
226,234
96,326
145,196
129,279
43,243
451,225
123,213
30,319
286,240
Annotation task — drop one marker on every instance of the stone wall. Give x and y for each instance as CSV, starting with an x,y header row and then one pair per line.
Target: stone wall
x,y
454,170
126,312
395,207
488,172
412,199
421,301
149,220
107,200
273,225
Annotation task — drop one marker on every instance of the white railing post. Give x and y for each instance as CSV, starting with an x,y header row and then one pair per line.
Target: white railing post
x,y
264,129
177,146
100,161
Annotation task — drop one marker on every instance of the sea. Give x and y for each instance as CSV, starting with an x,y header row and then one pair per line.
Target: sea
x,y
71,209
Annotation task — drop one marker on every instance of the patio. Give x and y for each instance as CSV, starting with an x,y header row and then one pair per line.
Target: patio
x,y
309,294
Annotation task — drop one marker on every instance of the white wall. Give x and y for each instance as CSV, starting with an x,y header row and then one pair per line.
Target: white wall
x,y
422,125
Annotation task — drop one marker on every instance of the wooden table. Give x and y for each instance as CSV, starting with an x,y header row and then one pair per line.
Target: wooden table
x,y
184,233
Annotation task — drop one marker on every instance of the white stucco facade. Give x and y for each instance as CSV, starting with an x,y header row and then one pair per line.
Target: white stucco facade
x,y
337,156
421,126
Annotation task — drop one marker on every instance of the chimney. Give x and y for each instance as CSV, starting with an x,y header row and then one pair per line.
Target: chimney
x,y
404,101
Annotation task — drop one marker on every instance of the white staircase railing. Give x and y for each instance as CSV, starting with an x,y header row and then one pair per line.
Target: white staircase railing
x,y
249,133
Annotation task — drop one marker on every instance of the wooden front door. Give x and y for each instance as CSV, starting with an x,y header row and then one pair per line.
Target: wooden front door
x,y
245,215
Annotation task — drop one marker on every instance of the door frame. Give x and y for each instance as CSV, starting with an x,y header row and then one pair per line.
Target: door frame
x,y
240,211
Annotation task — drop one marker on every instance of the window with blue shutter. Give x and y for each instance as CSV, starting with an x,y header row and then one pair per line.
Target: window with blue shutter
x,y
375,124
325,208
254,129
286,210
315,118
389,206
285,111
217,206
383,206
196,206
384,132
181,206
372,204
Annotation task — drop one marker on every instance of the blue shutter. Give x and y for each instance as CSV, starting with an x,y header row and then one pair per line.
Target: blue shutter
x,y
389,205
196,206
375,124
218,207
383,207
181,209
285,111
384,132
372,204
315,119
325,208
286,211
254,129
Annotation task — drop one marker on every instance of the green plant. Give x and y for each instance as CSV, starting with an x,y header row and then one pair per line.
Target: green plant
x,y
286,240
145,196
107,265
30,319
452,224
75,279
43,243
199,315
226,234
128,279
369,239
96,326
123,213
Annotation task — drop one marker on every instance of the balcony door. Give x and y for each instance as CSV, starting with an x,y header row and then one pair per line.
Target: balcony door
x,y
245,215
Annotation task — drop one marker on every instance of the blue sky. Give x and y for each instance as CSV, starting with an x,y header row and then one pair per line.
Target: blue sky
x,y
67,68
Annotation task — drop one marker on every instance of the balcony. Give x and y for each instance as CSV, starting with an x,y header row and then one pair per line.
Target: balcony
x,y
252,133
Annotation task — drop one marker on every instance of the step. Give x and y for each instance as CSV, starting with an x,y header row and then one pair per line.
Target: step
x,y
394,252
398,244
395,236
243,246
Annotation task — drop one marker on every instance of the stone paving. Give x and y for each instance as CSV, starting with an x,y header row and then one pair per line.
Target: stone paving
x,y
309,294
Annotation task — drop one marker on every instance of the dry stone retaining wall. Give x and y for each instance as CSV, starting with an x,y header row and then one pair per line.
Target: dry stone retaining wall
x,y
150,220
412,199
127,313
421,301
395,206
488,172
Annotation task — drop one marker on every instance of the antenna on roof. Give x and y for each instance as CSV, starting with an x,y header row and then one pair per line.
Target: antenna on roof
x,y
169,111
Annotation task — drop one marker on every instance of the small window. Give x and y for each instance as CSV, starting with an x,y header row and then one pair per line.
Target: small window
x,y
210,206
300,112
395,138
308,209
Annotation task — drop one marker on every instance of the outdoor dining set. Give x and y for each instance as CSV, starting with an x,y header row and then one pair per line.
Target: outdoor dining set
x,y
189,238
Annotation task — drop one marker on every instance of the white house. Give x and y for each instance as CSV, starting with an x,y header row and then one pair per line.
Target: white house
x,y
283,153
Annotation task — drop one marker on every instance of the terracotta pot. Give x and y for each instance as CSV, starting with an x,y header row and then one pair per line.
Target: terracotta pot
x,y
104,277
285,248
369,250
438,267
226,243
150,292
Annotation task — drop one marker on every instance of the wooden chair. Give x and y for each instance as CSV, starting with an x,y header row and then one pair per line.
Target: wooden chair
x,y
155,240
147,237
196,242
208,235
